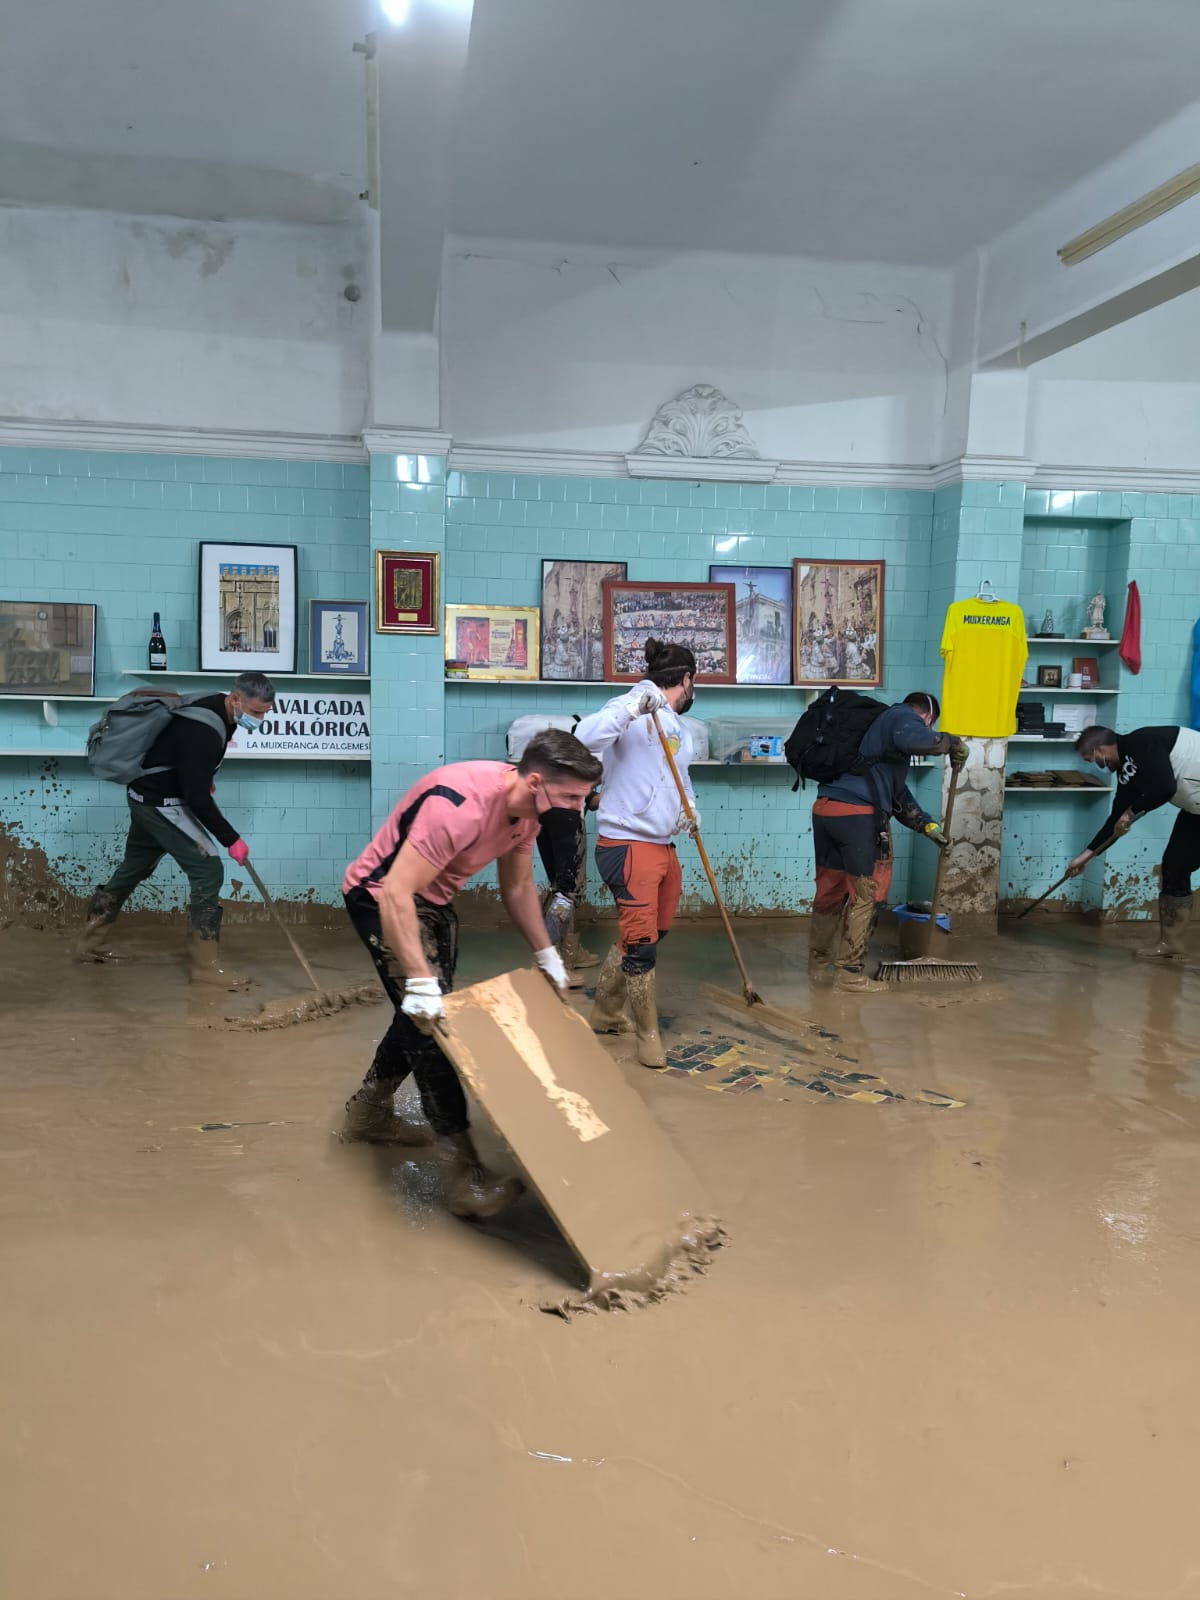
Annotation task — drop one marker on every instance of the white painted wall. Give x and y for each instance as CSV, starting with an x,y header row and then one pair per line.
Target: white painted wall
x,y
111,318
1128,397
569,349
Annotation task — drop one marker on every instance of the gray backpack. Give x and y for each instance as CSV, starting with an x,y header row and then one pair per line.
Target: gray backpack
x,y
117,744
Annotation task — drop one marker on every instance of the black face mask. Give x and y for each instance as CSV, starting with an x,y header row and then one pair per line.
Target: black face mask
x,y
686,705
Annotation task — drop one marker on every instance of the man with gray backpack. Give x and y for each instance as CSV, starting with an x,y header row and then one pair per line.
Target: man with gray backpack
x,y
166,749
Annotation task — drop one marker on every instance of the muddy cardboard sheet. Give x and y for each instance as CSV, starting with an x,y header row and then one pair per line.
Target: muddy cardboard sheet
x,y
628,1204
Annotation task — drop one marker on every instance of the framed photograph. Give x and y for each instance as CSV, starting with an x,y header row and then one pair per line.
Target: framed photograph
x,y
1049,677
247,607
763,623
573,619
406,591
496,642
47,649
838,622
337,637
1088,668
698,615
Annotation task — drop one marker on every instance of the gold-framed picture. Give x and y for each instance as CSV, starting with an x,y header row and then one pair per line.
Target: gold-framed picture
x,y
406,591
494,642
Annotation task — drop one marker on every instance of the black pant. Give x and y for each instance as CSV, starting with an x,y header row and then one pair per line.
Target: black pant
x,y
563,850
404,1048
1182,856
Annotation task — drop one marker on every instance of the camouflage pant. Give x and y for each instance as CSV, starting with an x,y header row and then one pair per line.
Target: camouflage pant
x,y
404,1048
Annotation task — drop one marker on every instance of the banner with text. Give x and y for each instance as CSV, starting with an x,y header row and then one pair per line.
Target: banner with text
x,y
305,726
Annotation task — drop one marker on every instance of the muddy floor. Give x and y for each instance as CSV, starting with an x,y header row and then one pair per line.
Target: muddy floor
x,y
949,1351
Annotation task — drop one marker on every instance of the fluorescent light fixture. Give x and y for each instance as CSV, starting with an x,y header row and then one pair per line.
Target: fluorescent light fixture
x,y
1131,217
398,12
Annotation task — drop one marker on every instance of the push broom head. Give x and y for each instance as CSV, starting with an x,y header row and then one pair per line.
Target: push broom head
x,y
927,970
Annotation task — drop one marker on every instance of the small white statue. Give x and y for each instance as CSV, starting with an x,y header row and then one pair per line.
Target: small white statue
x,y
1095,611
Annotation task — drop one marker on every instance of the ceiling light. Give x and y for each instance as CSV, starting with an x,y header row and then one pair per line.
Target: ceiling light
x,y
1131,217
396,11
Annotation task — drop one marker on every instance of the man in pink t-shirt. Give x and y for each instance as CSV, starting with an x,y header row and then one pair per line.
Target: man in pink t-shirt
x,y
399,894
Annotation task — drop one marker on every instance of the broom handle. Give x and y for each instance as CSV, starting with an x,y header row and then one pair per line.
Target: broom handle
x,y
712,882
270,905
1099,850
940,874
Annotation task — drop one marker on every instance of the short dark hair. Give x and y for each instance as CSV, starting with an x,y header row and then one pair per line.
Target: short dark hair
x,y
559,754
1090,740
923,702
668,664
255,686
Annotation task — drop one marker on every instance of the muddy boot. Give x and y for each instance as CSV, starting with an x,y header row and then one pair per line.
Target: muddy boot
x,y
608,1008
471,1191
643,1002
92,944
573,953
204,951
371,1119
860,919
1174,914
824,943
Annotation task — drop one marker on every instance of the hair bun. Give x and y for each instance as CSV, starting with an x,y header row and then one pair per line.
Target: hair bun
x,y
654,649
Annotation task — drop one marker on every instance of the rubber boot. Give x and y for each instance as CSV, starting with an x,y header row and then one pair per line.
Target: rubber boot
x,y
608,1008
471,1191
824,945
860,919
1174,914
204,952
572,952
643,1002
92,944
371,1118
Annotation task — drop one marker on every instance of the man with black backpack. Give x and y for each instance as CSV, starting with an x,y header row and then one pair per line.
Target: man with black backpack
x,y
859,750
171,807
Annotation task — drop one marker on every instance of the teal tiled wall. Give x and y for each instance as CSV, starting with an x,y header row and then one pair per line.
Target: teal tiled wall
x,y
122,530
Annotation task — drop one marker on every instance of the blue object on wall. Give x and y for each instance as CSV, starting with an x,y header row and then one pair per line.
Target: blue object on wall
x,y
1196,676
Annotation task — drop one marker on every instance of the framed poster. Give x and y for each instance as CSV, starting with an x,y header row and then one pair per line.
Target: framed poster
x,y
763,621
496,642
573,619
247,607
698,615
838,622
406,591
337,637
47,648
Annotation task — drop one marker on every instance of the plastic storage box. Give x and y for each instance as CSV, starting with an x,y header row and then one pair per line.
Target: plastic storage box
x,y
735,740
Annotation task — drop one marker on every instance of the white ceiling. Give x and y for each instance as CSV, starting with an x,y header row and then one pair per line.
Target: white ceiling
x,y
895,130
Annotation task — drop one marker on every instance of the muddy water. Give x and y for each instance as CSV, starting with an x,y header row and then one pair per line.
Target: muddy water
x,y
948,1352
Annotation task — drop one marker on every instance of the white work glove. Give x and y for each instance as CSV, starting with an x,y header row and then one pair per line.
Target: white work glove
x,y
689,825
641,702
550,962
422,1002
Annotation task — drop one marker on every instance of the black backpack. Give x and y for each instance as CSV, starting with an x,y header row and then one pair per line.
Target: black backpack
x,y
824,743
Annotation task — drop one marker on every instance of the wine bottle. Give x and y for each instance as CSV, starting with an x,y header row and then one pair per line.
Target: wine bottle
x,y
158,648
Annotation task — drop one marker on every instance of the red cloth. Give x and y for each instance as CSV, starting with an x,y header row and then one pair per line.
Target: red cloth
x,y
1131,633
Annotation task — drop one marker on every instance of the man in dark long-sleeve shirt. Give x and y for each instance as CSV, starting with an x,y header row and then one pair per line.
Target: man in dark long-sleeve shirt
x,y
172,812
1154,767
852,836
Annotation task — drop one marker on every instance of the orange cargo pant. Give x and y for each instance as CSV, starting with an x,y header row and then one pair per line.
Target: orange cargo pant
x,y
645,881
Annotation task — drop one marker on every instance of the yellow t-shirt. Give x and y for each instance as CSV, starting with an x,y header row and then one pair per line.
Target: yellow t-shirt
x,y
983,646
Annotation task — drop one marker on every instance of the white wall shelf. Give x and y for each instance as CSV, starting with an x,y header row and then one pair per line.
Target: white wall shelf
x,y
50,702
557,683
1058,788
47,752
1036,738
1100,644
1053,694
223,676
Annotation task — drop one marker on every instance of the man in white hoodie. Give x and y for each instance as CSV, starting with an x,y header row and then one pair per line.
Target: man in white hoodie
x,y
640,813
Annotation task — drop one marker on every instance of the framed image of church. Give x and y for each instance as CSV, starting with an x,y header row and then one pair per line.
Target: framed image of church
x,y
247,608
762,621
839,622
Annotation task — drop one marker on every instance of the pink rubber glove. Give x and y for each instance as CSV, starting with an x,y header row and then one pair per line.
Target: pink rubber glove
x,y
239,850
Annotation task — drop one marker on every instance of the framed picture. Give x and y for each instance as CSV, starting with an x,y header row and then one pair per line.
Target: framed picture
x,y
247,607
763,622
838,622
698,615
1049,677
406,591
47,648
573,619
496,642
337,637
1088,668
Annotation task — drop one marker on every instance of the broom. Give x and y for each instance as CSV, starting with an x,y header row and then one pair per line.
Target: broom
x,y
926,968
